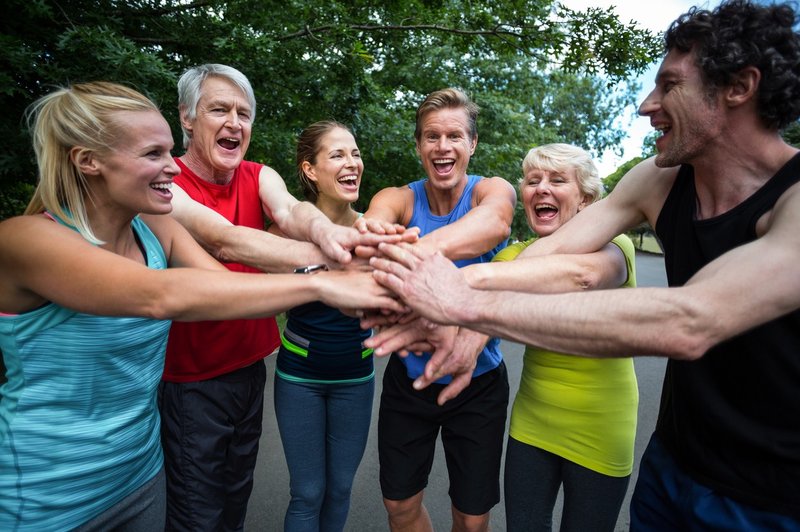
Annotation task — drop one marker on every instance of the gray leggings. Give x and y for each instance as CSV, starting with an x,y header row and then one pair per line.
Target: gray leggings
x,y
531,482
144,510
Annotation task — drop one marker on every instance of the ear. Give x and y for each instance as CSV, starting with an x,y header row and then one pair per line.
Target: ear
x,y
85,160
308,169
584,202
744,86
473,143
185,122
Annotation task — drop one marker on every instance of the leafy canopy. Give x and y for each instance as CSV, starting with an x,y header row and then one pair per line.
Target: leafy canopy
x,y
540,72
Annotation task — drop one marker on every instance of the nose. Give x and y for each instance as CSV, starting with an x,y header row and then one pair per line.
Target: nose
x,y
172,167
442,143
543,186
650,104
233,119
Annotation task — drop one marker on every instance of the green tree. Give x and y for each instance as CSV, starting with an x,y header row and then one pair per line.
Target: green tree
x,y
792,134
540,73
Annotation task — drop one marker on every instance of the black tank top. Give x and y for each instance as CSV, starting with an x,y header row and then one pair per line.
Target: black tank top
x,y
732,418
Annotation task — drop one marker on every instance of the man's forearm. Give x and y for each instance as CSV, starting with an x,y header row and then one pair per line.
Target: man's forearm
x,y
265,251
604,323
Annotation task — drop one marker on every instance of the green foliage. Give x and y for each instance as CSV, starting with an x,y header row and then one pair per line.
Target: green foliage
x,y
792,134
540,73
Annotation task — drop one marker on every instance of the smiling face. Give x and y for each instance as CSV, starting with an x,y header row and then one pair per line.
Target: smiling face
x,y
683,109
337,167
136,173
220,132
551,198
445,146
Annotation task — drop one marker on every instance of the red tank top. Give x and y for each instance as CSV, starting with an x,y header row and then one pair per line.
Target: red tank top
x,y
206,349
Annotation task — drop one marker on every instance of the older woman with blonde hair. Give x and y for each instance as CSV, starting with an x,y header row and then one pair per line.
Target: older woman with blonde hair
x,y
573,421
87,292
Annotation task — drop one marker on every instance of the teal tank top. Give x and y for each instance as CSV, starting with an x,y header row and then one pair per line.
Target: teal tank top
x,y
79,427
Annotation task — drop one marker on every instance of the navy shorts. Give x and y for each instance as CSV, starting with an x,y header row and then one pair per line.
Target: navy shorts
x,y
473,427
668,499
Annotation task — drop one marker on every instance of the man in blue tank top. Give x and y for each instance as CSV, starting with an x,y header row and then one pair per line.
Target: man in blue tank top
x,y
468,219
724,199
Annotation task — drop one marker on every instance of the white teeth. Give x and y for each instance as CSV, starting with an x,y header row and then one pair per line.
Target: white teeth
x,y
443,161
348,179
162,186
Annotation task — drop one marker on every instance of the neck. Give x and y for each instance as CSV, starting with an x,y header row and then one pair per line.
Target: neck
x,y
204,170
727,176
443,200
114,229
340,213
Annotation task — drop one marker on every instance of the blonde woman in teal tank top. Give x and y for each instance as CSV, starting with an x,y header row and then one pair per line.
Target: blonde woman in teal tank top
x,y
574,419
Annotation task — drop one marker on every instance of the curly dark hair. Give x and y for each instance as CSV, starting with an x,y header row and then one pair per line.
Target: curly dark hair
x,y
738,34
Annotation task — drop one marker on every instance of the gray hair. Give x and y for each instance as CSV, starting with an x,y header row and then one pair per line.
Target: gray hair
x,y
559,157
192,80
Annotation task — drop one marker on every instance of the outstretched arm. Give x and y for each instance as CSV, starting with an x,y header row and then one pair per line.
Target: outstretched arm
x,y
481,229
681,322
101,282
235,243
638,197
303,221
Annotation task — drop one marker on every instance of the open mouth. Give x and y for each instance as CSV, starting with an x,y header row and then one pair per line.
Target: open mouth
x,y
348,181
443,166
545,211
229,143
162,189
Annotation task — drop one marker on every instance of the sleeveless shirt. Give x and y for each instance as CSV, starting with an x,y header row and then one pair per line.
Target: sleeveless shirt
x,y
428,222
79,428
206,349
581,409
732,418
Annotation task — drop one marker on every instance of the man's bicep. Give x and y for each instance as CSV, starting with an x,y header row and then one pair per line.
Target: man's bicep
x,y
765,269
497,194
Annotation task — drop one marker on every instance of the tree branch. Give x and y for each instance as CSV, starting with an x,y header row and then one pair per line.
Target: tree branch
x,y
497,31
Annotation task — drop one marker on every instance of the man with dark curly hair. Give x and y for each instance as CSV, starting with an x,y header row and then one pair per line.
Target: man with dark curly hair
x,y
724,198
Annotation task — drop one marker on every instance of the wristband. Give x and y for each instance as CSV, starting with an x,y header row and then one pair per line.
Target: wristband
x,y
312,268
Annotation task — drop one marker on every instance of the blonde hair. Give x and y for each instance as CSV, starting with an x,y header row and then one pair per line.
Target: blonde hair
x,y
559,157
81,115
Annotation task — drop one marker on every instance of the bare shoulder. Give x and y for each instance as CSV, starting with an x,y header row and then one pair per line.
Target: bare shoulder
x,y
784,218
495,187
392,204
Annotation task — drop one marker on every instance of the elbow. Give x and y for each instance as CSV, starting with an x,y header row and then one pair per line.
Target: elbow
x,y
586,279
694,334
164,303
688,346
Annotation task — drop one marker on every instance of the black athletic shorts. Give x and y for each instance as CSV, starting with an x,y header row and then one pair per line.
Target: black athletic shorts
x,y
473,428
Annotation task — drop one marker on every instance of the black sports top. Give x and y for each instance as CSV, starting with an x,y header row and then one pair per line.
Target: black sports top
x,y
732,418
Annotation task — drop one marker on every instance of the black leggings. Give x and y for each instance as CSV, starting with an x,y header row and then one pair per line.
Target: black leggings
x,y
532,479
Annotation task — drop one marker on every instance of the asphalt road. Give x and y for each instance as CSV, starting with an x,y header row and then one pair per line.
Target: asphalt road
x,y
271,491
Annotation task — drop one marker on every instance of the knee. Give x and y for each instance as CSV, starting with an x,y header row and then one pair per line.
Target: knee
x,y
308,495
403,513
470,523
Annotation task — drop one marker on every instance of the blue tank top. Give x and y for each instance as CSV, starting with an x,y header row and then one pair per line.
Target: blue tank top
x,y
79,428
428,222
